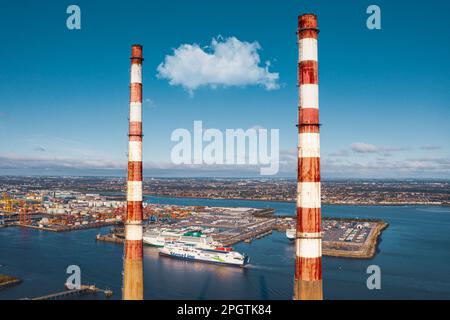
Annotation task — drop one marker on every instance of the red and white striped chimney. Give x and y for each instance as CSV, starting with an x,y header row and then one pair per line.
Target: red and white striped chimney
x,y
308,263
133,278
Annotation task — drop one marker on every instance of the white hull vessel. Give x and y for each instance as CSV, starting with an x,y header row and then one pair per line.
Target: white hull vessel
x,y
186,252
290,234
160,237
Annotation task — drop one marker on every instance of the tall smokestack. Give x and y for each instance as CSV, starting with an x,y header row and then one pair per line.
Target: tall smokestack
x,y
308,262
133,279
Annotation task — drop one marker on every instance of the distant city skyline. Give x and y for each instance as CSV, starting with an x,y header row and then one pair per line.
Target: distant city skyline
x,y
384,98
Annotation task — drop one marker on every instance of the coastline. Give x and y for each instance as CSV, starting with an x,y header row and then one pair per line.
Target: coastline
x,y
333,249
273,254
293,201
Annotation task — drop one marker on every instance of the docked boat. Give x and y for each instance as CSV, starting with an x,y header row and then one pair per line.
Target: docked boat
x,y
190,252
159,238
290,234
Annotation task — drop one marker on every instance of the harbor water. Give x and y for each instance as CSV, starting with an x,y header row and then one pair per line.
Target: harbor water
x,y
413,256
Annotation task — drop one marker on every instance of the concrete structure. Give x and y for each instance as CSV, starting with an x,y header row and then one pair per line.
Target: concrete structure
x,y
133,282
308,263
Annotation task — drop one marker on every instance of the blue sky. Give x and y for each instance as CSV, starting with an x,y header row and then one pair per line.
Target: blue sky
x,y
384,94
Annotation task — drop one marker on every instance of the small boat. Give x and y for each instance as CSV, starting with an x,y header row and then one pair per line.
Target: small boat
x,y
290,234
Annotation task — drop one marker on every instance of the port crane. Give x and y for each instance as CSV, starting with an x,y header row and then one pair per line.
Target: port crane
x,y
8,204
24,215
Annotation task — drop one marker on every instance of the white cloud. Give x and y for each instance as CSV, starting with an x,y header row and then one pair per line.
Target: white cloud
x,y
330,167
362,147
150,103
382,168
40,149
430,147
340,153
27,162
228,62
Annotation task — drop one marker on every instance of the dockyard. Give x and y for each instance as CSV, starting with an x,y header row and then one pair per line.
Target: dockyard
x,y
355,238
73,211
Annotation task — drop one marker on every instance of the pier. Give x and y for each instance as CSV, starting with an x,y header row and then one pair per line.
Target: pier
x,y
7,281
248,236
109,238
62,228
84,289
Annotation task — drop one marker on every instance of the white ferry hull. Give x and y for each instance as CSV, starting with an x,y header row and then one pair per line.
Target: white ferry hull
x,y
211,258
154,242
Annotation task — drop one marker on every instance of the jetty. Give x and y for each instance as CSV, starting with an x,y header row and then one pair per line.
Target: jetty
x,y
7,281
109,238
247,237
84,289
63,228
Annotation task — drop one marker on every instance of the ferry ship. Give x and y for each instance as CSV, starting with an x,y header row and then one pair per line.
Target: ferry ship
x,y
290,234
159,238
217,256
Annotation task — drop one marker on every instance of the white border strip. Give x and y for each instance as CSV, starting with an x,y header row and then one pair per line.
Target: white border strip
x,y
135,151
309,96
133,232
308,49
309,248
134,191
308,194
308,145
136,111
136,73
